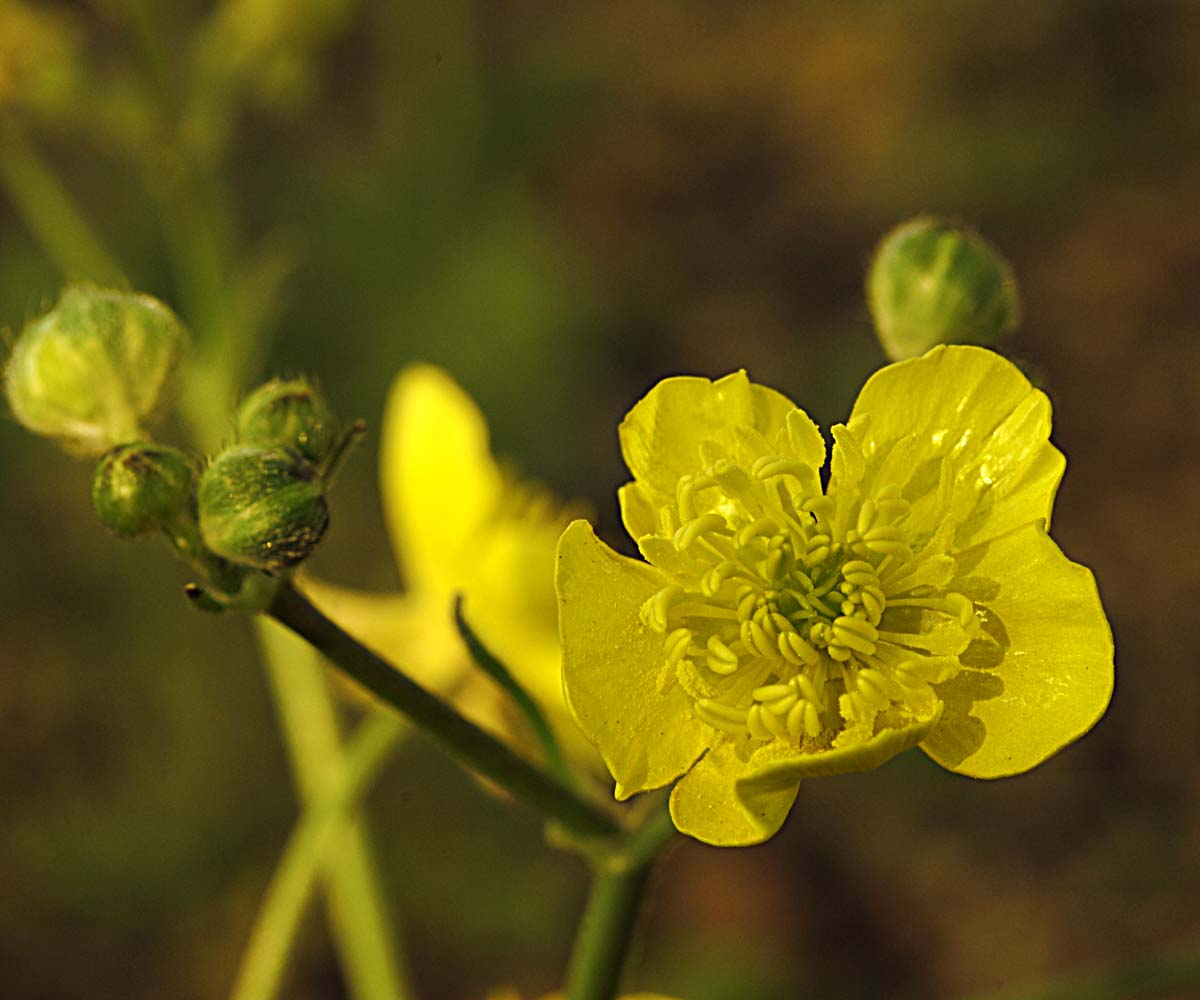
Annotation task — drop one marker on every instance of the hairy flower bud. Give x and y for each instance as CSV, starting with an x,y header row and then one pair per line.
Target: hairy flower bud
x,y
95,368
932,282
142,487
289,413
262,507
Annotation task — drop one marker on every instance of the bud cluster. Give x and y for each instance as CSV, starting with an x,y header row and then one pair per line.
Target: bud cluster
x,y
97,368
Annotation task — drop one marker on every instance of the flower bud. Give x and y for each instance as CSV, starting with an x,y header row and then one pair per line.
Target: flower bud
x,y
288,413
261,507
94,368
933,283
140,487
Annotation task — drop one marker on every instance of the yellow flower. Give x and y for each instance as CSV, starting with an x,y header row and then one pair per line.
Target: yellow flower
x,y
459,524
779,630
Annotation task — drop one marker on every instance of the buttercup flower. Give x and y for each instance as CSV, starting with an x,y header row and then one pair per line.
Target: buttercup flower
x,y
780,629
460,524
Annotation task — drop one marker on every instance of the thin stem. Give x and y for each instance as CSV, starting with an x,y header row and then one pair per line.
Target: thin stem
x,y
362,923
50,212
473,746
265,960
487,661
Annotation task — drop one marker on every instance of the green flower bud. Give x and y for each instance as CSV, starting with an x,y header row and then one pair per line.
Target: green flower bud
x,y
261,507
933,283
141,487
94,368
288,413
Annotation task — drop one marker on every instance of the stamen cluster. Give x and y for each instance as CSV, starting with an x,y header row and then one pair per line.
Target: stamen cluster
x,y
777,619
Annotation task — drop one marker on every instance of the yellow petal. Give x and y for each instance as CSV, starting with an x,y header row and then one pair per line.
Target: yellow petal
x,y
705,804
611,663
730,801
1041,674
779,770
439,480
637,511
971,407
661,437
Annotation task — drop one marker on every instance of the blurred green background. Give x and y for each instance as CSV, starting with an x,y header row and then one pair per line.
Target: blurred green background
x,y
561,204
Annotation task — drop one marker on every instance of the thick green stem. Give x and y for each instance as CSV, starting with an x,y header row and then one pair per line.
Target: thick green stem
x,y
265,960
471,745
361,921
610,916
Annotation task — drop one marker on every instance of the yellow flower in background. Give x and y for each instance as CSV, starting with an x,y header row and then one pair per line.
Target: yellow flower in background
x,y
780,630
459,524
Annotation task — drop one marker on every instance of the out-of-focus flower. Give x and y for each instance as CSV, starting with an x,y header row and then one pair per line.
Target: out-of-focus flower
x,y
40,49
460,524
780,630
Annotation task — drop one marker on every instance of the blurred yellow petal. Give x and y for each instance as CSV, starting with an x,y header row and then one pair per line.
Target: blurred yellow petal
x,y
440,483
974,409
1040,675
611,663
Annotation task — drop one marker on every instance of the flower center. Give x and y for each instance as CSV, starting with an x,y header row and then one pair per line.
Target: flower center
x,y
798,616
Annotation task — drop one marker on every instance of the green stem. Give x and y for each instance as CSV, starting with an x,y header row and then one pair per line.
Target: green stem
x,y
473,746
265,960
50,212
604,935
361,921
487,661
1149,975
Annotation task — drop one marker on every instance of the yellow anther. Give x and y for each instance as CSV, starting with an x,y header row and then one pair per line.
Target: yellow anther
x,y
669,520
871,692
866,516
807,688
812,720
755,636
676,645
770,466
716,576
756,723
721,659
856,626
796,651
884,683
889,547
656,610
747,604
872,604
963,608
687,535
781,623
730,720
755,529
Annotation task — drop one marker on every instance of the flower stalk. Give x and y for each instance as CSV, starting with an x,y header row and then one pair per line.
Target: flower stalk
x,y
470,744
